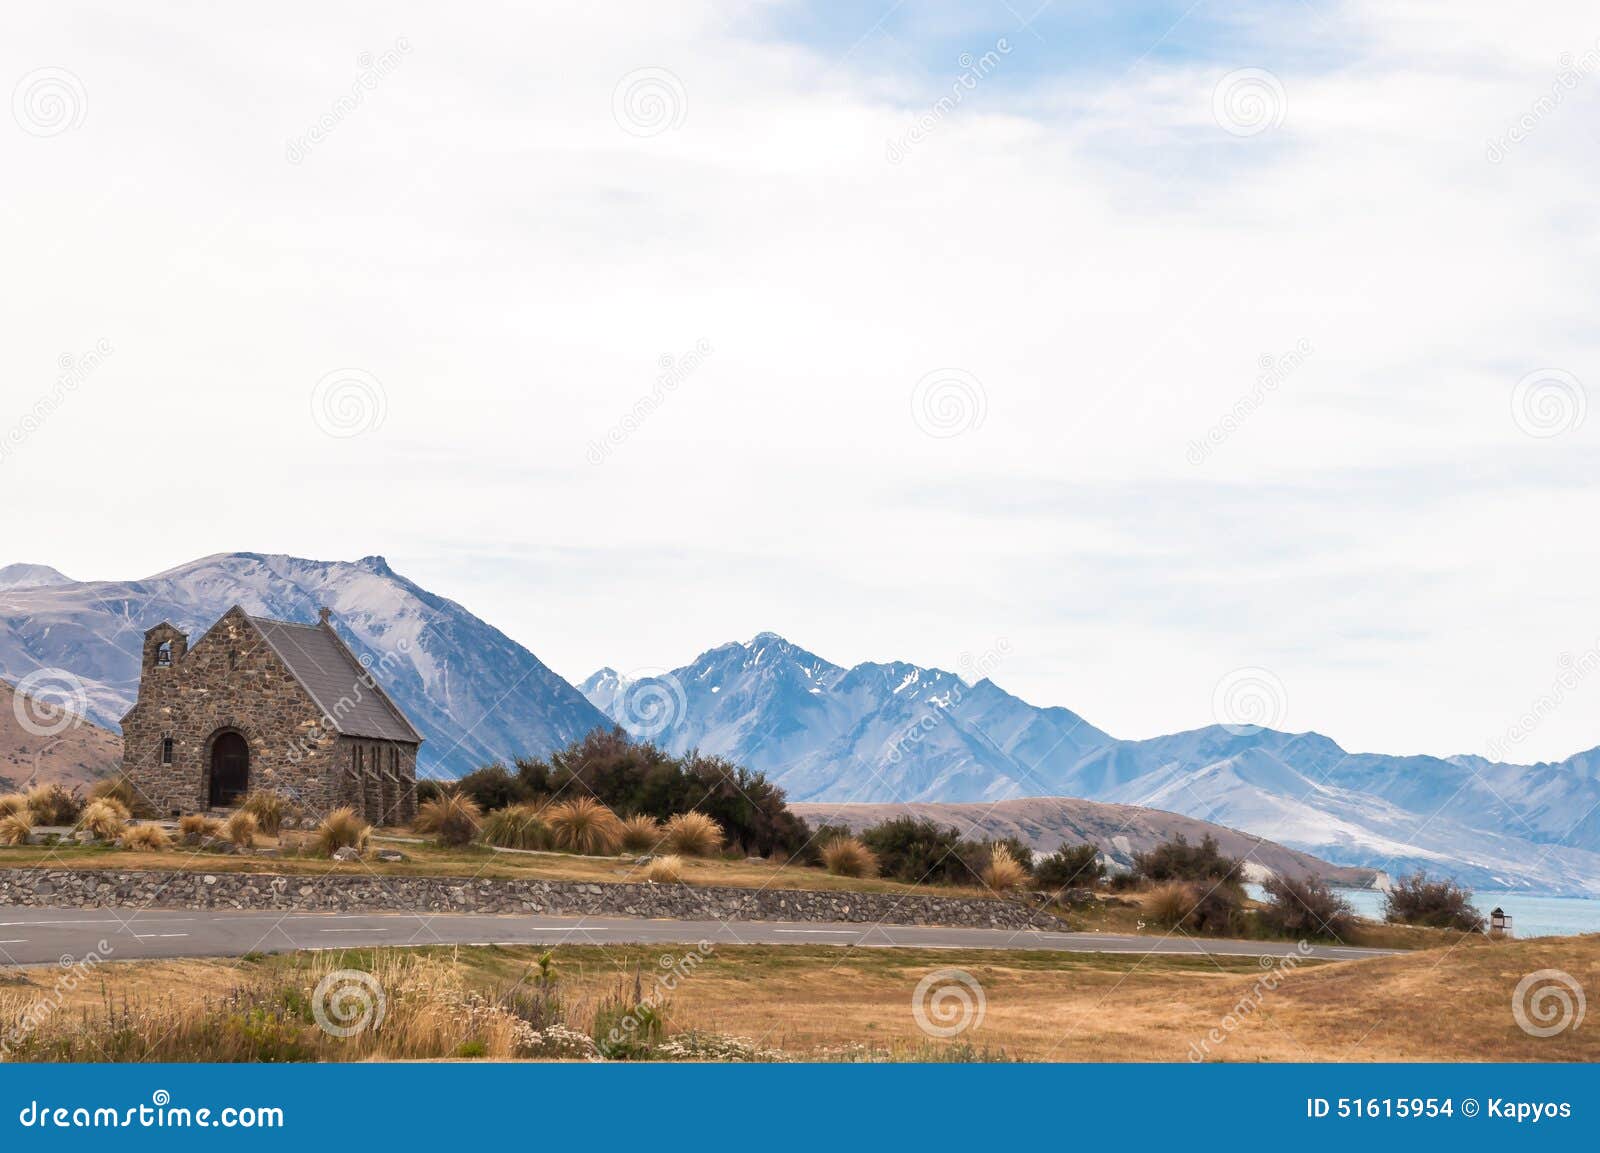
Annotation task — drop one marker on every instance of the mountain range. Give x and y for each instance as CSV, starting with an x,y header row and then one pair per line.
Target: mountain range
x,y
900,732
477,694
884,733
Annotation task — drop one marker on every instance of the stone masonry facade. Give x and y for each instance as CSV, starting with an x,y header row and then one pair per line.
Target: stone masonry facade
x,y
233,684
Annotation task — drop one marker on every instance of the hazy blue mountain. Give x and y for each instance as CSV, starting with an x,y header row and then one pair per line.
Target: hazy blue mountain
x,y
898,732
477,695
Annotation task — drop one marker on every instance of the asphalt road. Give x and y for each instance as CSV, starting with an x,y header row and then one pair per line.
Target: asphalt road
x,y
45,936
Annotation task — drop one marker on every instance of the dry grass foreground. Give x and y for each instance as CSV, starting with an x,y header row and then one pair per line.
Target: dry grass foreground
x,y
813,1002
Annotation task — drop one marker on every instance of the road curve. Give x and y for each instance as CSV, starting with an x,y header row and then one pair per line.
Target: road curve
x,y
31,936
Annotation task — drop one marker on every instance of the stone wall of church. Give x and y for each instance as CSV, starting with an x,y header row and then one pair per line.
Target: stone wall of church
x,y
378,779
230,679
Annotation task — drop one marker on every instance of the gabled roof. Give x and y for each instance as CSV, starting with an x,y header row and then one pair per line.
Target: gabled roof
x,y
347,694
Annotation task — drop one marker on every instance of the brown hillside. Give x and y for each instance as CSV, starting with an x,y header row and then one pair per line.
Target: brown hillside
x,y
81,753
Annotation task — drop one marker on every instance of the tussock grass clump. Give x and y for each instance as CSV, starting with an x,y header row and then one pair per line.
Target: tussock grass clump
x,y
149,838
15,828
517,827
1004,872
270,809
1169,904
120,789
241,829
105,818
692,834
584,825
53,805
848,857
453,819
341,829
192,827
640,833
1213,907
667,870
12,803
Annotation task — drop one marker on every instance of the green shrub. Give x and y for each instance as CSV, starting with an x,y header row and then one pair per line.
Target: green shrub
x,y
1305,909
1442,904
1178,860
1213,907
429,790
1070,867
913,850
493,787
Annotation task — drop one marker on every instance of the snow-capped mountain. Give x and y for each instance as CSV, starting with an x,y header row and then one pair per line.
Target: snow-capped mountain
x,y
27,576
477,695
899,732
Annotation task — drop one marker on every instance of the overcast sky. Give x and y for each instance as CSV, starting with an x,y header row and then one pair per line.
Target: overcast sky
x,y
1207,339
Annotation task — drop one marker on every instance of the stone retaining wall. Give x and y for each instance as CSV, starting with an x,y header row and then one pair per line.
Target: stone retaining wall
x,y
341,893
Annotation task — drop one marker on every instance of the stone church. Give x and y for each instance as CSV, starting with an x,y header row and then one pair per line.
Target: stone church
x,y
266,704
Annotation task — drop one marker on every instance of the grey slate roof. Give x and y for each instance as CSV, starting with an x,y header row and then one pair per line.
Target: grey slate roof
x,y
330,672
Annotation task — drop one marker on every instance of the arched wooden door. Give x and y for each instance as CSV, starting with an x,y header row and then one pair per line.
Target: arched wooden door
x,y
230,769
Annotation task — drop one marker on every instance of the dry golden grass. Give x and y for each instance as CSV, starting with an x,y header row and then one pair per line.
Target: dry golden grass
x,y
105,818
193,826
269,809
1449,1004
51,804
692,834
848,857
240,828
1004,872
640,833
15,828
667,870
517,827
341,829
148,838
452,819
13,803
584,825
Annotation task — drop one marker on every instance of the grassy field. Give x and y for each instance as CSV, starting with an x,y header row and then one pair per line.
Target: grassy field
x,y
815,1002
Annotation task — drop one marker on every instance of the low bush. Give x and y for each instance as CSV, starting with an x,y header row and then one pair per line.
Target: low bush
x,y
341,829
270,810
517,827
240,828
1070,867
641,833
453,819
428,790
584,825
1442,904
848,857
493,787
667,870
1305,909
1178,860
149,838
15,828
913,850
1004,872
54,805
1213,907
692,834
105,818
